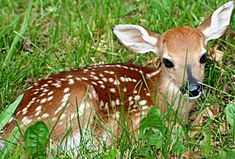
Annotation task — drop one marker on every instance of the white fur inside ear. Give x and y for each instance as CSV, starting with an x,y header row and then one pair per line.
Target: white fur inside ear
x,y
220,19
136,38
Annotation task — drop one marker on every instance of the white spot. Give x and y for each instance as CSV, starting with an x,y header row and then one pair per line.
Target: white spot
x,y
85,70
101,103
63,79
105,79
54,118
122,79
69,76
116,82
35,84
62,116
100,82
101,75
45,90
39,108
29,87
24,111
117,102
50,81
145,107
106,106
71,81
94,83
111,72
43,100
37,113
72,116
45,115
111,80
57,85
137,97
18,113
95,77
45,85
135,92
130,98
65,97
11,119
93,73
102,86
50,98
26,120
84,78
36,92
28,105
116,115
66,90
148,94
131,102
50,93
125,67
142,102
112,90
135,106
124,89
58,110
60,123
112,103
42,94
127,79
134,80
78,79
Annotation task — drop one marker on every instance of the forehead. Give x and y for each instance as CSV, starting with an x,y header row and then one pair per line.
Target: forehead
x,y
182,40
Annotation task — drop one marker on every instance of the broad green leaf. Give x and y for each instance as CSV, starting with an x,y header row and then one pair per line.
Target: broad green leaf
x,y
35,139
153,120
7,114
230,114
205,144
111,154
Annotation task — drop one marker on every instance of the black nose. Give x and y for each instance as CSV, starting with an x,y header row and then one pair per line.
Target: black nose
x,y
192,89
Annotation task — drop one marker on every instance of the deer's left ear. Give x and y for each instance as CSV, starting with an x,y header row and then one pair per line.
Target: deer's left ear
x,y
216,24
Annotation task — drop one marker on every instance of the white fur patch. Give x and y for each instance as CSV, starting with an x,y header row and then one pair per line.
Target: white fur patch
x,y
220,20
130,35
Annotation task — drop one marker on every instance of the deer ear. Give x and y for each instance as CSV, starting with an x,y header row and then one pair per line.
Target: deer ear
x,y
216,24
136,38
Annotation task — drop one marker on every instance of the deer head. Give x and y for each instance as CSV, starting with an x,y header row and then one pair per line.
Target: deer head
x,y
181,49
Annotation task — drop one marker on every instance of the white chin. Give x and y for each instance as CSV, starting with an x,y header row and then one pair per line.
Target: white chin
x,y
193,98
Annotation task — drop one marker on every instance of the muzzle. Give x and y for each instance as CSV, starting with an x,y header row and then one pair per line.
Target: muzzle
x,y
191,88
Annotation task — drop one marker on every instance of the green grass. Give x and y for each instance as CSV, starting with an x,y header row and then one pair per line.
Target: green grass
x,y
59,35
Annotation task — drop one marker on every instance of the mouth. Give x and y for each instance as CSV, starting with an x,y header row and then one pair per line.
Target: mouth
x,y
190,97
193,92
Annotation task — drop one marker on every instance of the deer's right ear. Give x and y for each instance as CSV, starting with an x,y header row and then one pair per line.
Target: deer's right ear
x,y
137,38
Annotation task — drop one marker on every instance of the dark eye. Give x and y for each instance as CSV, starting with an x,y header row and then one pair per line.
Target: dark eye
x,y
168,63
203,59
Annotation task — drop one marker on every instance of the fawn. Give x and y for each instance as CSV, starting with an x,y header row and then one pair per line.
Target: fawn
x,y
101,92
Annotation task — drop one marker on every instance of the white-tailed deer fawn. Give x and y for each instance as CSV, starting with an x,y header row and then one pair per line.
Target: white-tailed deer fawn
x,y
100,92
